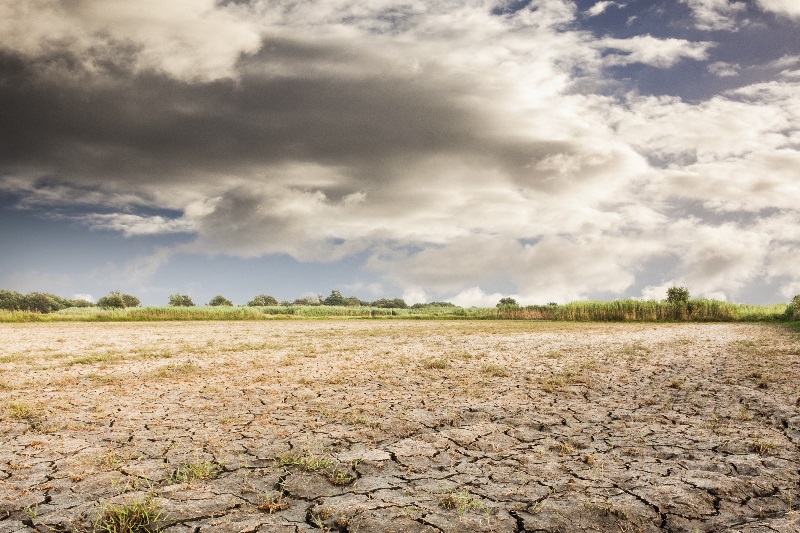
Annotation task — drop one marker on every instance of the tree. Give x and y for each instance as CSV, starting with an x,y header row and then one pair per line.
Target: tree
x,y
114,300
218,301
306,301
262,300
793,309
42,303
507,302
180,300
11,300
131,301
384,303
335,298
678,295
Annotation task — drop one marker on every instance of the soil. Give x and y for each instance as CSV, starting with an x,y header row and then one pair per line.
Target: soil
x,y
400,426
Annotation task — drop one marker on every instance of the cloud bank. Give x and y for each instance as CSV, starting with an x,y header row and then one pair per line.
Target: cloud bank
x,y
466,149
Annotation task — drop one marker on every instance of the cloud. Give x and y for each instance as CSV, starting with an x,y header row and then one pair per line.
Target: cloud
x,y
86,297
723,69
787,8
715,14
135,225
649,50
186,39
465,149
600,7
475,297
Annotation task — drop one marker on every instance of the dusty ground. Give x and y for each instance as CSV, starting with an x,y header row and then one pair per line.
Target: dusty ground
x,y
376,426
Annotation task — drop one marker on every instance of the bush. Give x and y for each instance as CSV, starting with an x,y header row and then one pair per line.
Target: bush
x,y
180,300
385,303
42,303
81,303
307,301
131,301
114,300
11,300
433,304
678,295
218,300
507,302
262,300
793,309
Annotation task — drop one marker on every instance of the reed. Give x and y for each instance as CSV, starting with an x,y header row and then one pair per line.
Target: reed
x,y
586,311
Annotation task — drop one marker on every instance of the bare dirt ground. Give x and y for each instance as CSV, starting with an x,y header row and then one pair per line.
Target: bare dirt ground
x,y
377,426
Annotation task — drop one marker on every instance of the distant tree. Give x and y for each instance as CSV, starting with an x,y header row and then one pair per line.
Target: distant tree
x,y
385,303
131,301
306,301
11,300
180,300
335,298
507,302
262,300
355,301
114,300
433,304
677,295
218,301
81,303
42,303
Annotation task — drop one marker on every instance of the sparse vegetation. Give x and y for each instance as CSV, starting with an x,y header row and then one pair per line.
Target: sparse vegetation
x,y
196,469
321,464
138,516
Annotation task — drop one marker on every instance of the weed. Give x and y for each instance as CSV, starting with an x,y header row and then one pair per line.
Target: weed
x,y
495,371
137,516
174,370
202,470
23,411
321,464
462,501
435,364
763,446
275,503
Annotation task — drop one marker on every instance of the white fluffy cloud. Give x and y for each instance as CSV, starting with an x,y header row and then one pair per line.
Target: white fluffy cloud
x,y
788,8
188,39
715,14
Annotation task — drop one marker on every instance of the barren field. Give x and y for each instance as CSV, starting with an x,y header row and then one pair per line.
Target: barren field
x,y
412,426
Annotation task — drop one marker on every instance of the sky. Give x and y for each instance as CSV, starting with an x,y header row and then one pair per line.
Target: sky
x,y
547,150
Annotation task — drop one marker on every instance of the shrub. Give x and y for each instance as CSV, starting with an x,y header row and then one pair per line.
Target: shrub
x,y
385,303
11,300
218,300
114,300
433,304
678,295
81,303
131,301
507,302
42,303
793,309
307,301
262,300
180,300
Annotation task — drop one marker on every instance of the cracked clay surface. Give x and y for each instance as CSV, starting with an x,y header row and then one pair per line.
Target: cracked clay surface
x,y
401,426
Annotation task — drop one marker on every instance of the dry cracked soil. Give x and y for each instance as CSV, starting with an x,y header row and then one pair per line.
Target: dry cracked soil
x,y
399,426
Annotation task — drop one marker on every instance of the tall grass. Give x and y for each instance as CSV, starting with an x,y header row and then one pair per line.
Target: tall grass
x,y
614,311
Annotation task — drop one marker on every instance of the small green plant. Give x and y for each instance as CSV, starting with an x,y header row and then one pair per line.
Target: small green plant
x,y
763,446
435,364
275,503
462,501
495,371
321,464
23,411
201,470
138,516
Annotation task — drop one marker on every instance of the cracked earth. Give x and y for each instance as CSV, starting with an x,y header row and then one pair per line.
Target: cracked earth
x,y
403,426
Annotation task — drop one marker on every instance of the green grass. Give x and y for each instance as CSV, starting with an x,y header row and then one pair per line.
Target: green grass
x,y
138,516
613,311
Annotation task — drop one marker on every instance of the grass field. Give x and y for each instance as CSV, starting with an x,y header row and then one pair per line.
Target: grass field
x,y
614,311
